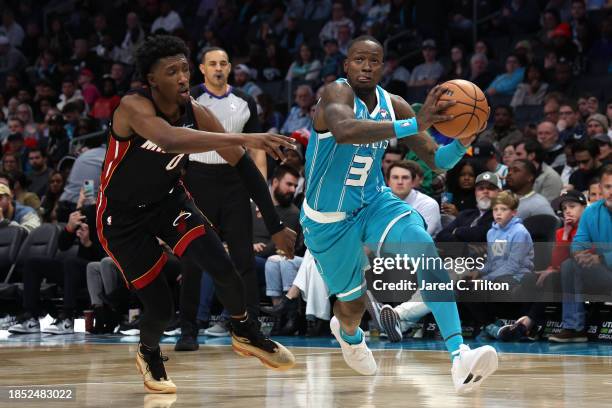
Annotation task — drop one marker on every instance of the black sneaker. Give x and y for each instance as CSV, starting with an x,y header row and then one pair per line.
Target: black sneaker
x,y
512,332
569,336
151,366
189,338
285,305
248,340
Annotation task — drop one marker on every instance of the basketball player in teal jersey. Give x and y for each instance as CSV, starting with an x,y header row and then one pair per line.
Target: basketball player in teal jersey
x,y
347,205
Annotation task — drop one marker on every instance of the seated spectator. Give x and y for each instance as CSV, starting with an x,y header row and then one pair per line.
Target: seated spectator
x,y
508,155
548,137
15,214
605,148
344,38
88,89
58,144
291,37
332,60
305,67
585,154
19,183
479,71
168,21
486,154
394,71
503,132
11,164
572,205
594,191
88,166
588,272
563,81
25,114
48,202
338,19
458,67
569,167
271,119
569,122
548,182
510,257
460,183
391,155
70,93
532,90
242,81
471,225
427,73
69,272
299,116
520,180
105,105
11,59
134,37
104,281
506,83
596,124
39,176
401,176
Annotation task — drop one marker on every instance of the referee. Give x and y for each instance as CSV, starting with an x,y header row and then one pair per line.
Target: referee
x,y
224,195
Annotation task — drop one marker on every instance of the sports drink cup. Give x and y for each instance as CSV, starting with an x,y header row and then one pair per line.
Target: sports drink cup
x,y
89,320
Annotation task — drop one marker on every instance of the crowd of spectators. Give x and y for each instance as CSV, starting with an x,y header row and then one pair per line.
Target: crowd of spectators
x,y
63,71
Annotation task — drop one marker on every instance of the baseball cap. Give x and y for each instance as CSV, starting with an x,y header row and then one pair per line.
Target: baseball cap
x,y
488,177
429,43
573,196
242,68
5,190
602,138
483,150
562,30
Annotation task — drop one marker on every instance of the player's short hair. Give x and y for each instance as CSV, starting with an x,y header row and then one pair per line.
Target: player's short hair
x,y
410,165
211,49
281,170
363,38
507,198
155,48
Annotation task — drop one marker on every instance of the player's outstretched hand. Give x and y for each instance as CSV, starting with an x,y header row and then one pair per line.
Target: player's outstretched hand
x,y
432,112
285,241
271,143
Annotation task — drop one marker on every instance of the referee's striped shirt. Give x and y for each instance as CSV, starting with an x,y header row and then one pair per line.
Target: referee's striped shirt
x,y
236,110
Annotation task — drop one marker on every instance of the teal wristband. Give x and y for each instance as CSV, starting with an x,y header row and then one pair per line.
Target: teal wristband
x,y
405,128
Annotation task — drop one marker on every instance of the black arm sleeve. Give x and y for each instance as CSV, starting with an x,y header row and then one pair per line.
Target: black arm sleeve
x,y
252,125
259,192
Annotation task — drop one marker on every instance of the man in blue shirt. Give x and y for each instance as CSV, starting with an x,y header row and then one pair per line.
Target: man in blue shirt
x,y
589,270
299,116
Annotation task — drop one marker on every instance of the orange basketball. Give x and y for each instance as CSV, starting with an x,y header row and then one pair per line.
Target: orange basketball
x,y
470,113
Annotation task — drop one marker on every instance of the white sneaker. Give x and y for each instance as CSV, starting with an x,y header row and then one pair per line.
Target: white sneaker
x,y
472,367
358,356
218,330
390,323
60,326
27,326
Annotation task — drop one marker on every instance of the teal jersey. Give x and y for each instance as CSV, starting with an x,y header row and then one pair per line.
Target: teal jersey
x,y
347,177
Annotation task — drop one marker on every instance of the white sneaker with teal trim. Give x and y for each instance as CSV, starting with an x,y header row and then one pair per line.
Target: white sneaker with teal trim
x,y
472,367
358,356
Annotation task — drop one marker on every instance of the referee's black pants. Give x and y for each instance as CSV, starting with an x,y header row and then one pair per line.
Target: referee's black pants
x,y
219,193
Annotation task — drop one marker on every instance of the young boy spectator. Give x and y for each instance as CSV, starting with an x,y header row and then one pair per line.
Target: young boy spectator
x,y
572,204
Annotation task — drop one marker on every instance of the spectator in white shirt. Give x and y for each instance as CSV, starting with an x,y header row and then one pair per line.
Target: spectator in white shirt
x,y
169,20
401,181
330,30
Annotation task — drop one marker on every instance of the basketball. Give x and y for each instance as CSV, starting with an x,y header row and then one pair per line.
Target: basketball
x,y
470,113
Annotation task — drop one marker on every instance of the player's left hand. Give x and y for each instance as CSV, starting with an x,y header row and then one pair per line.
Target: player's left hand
x,y
285,241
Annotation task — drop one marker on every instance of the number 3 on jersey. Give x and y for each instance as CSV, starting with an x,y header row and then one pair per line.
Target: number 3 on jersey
x,y
360,171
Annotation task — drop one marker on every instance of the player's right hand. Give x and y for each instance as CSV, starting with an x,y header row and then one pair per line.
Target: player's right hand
x,y
271,143
432,112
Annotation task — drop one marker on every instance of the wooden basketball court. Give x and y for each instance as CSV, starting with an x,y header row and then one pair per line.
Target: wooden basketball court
x,y
412,374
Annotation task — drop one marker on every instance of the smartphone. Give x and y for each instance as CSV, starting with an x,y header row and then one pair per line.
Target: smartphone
x,y
447,198
88,189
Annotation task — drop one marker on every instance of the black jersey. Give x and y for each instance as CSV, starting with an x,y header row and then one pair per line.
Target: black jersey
x,y
136,171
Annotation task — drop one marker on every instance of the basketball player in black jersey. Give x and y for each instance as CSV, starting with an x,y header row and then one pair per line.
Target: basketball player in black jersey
x,y
142,198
